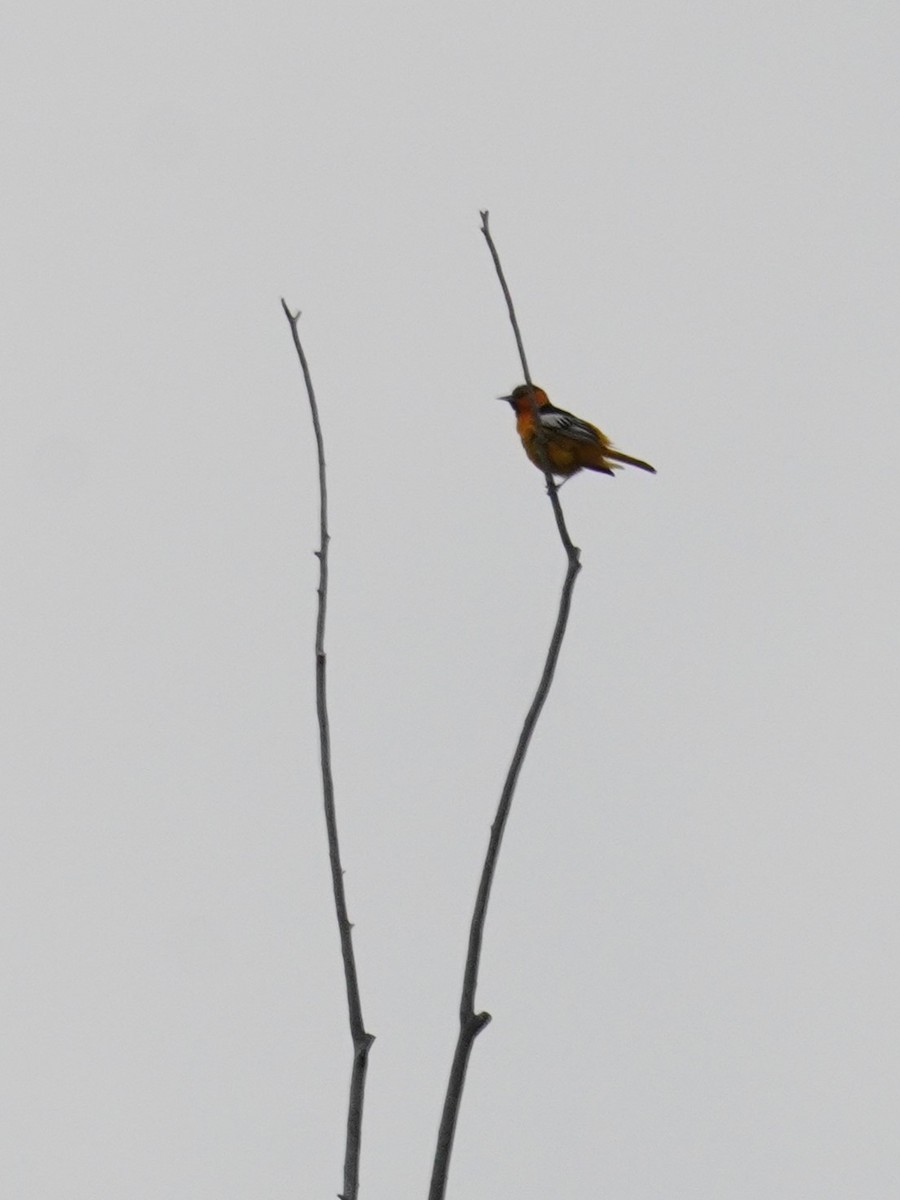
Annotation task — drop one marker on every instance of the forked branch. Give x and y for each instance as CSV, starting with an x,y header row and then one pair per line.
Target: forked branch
x,y
470,1022
361,1039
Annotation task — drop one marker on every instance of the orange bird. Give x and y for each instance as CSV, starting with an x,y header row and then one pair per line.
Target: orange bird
x,y
571,444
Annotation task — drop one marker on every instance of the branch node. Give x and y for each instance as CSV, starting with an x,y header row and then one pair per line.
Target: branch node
x,y
480,1020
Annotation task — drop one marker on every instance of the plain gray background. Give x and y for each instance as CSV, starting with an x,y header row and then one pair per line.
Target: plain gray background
x,y
690,957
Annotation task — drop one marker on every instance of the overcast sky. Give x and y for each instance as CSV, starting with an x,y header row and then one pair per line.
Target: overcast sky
x,y
691,955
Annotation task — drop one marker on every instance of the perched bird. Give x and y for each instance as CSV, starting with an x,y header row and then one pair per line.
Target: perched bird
x,y
570,443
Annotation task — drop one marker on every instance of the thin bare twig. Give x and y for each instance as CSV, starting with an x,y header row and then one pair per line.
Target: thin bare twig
x,y
470,1022
361,1039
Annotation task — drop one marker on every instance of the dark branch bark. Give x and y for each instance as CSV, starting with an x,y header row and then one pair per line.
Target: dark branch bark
x,y
361,1039
470,1022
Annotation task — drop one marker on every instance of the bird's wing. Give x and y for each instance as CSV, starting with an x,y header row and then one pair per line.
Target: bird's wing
x,y
557,420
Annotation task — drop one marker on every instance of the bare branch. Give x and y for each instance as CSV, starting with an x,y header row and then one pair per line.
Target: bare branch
x,y
470,1022
361,1039
485,229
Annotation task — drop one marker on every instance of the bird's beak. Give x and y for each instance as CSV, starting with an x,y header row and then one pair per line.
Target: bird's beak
x,y
506,398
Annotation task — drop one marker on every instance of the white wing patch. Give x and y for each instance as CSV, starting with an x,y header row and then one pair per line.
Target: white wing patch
x,y
558,421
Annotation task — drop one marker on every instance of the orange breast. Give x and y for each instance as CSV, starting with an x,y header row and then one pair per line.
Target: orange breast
x,y
562,453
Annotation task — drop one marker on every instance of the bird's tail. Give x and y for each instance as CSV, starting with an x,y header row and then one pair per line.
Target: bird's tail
x,y
618,456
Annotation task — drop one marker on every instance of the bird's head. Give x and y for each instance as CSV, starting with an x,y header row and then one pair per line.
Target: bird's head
x,y
520,398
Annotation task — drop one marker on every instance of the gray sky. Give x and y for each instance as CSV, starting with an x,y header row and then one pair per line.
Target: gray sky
x,y
691,952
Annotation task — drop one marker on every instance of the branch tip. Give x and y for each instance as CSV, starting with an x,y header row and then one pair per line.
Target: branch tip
x,y
292,317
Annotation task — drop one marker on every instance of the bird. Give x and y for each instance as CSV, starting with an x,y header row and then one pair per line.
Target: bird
x,y
571,444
